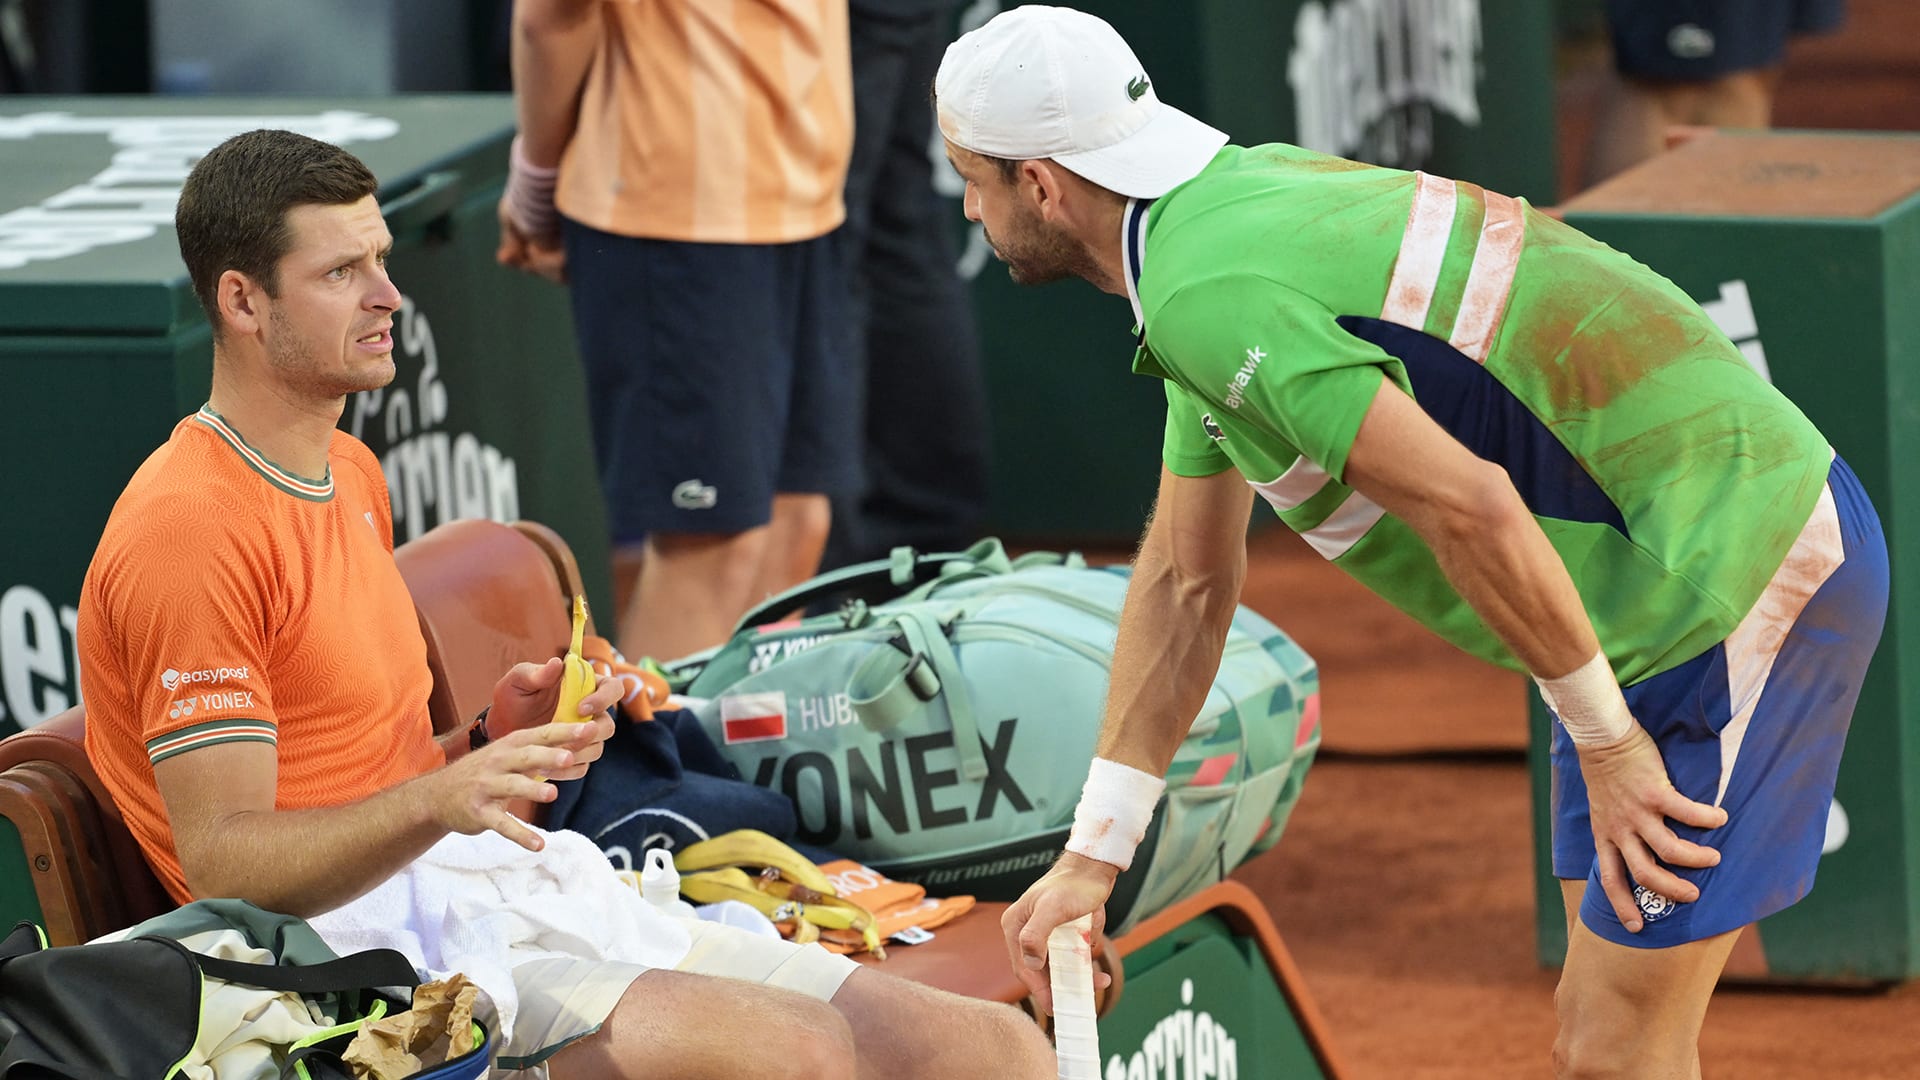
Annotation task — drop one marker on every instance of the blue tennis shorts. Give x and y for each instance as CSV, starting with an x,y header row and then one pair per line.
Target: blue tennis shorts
x,y
1695,40
1755,725
717,376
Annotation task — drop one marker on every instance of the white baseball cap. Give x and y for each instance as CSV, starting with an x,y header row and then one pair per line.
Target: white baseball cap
x,y
1052,82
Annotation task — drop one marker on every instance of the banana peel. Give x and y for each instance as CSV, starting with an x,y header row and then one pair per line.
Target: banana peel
x,y
782,901
751,847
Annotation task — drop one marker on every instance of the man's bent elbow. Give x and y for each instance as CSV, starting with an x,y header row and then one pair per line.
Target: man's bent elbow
x,y
1484,504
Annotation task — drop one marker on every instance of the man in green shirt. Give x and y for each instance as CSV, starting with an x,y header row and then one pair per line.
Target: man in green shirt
x,y
1536,446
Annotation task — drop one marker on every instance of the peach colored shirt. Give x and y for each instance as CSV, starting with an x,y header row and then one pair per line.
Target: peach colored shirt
x,y
715,121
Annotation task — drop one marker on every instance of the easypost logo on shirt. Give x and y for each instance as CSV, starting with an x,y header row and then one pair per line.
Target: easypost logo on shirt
x,y
174,679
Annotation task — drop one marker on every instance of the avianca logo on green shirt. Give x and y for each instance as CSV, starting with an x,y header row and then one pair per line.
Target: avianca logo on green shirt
x,y
1137,86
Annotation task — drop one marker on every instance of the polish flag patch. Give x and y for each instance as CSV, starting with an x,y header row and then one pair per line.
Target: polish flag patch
x,y
753,717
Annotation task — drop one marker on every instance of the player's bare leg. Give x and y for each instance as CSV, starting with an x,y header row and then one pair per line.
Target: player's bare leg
x,y
904,1028
700,1027
1628,1012
797,536
692,588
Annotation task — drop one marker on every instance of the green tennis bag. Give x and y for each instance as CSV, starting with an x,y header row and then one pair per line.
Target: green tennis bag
x,y
938,726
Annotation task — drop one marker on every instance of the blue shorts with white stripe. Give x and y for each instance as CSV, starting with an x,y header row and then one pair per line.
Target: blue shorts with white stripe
x,y
1756,725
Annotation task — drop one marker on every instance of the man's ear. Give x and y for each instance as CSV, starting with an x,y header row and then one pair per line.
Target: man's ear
x,y
239,300
1043,184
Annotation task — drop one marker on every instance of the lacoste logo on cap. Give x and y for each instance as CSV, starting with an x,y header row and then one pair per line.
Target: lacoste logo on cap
x,y
1136,87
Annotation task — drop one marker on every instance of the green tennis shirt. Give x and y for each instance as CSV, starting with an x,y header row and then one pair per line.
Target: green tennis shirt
x,y
1275,289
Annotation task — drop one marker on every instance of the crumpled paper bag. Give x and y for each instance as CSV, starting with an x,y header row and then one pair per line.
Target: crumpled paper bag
x,y
437,1029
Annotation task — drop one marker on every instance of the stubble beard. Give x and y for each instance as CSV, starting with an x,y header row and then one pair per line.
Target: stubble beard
x,y
1039,255
297,364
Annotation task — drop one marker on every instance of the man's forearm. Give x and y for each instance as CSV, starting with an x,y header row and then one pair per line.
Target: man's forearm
x,y
1173,629
304,862
552,48
1503,566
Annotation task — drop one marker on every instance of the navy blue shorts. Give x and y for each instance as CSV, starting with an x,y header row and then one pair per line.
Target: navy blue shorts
x,y
1696,40
717,375
1755,725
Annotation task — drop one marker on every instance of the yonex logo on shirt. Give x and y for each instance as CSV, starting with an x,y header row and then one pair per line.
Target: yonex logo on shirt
x,y
226,699
1237,386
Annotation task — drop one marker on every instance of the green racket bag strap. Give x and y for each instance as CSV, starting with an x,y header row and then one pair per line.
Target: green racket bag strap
x,y
905,570
892,683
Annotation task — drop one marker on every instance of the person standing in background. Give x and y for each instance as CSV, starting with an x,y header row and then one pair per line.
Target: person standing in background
x,y
926,429
1706,63
680,166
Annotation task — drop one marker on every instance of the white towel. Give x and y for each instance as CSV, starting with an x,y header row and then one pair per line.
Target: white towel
x,y
481,905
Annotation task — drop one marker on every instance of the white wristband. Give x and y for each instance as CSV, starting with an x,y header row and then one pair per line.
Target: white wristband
x,y
530,194
1116,805
1589,704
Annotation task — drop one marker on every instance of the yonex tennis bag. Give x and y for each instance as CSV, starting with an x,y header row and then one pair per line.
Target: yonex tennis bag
x,y
941,736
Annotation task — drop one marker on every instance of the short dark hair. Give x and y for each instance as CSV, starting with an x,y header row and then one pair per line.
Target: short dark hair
x,y
1009,167
232,213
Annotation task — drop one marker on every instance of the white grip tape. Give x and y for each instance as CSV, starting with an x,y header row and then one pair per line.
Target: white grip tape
x,y
1589,704
1116,806
1076,1032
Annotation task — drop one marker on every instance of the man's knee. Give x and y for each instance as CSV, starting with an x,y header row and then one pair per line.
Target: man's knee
x,y
801,522
1029,1055
697,1027
1579,1048
820,1047
727,563
1589,1042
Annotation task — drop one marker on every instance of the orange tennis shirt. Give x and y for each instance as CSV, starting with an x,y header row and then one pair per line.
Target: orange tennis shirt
x,y
714,121
231,601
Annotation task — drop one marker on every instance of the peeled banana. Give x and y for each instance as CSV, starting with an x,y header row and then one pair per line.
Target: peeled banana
x,y
577,681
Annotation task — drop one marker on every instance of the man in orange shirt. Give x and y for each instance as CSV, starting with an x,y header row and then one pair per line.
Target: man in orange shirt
x,y
681,166
257,684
